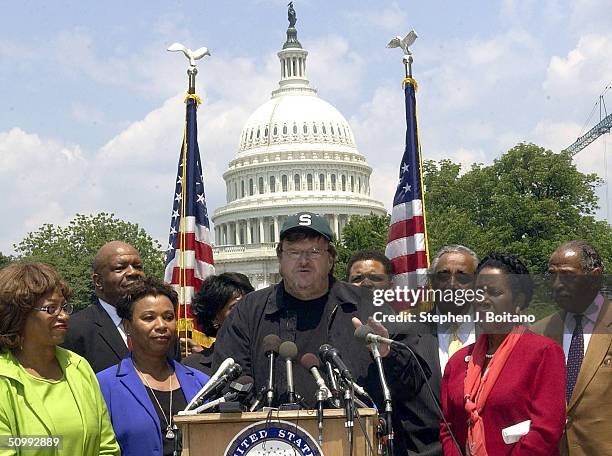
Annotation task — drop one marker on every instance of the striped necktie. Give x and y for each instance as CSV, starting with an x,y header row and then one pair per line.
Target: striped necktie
x,y
574,357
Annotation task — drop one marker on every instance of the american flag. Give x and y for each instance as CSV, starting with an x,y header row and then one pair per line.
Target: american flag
x,y
189,257
407,243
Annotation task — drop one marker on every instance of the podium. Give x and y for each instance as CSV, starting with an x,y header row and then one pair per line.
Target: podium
x,y
292,432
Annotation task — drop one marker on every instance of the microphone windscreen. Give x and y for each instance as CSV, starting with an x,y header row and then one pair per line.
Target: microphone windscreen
x,y
362,332
309,360
288,350
271,343
245,380
234,371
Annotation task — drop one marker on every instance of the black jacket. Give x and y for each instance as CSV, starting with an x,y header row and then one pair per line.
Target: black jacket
x,y
263,312
417,421
201,361
93,335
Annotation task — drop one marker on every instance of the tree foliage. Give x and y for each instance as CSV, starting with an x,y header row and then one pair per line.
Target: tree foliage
x,y
4,260
527,202
361,232
71,249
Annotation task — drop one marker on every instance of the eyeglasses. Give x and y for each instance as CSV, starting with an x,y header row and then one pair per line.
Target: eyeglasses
x,y
377,278
313,253
460,277
55,310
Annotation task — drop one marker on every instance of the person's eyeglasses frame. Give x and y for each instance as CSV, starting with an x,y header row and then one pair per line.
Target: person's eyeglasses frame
x,y
66,307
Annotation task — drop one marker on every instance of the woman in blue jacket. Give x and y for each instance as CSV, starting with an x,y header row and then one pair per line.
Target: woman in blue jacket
x,y
145,390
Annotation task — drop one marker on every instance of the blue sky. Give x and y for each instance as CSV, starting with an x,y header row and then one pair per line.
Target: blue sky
x,y
92,102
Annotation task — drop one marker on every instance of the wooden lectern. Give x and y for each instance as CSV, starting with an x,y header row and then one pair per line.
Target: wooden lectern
x,y
237,434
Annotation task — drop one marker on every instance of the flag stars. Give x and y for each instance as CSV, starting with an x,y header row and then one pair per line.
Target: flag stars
x,y
405,168
179,181
175,214
407,188
178,197
201,199
172,230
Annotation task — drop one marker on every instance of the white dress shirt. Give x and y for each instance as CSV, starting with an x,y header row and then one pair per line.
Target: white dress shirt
x,y
588,324
466,332
117,320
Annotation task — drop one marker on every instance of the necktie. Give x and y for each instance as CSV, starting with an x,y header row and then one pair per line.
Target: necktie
x,y
574,357
454,343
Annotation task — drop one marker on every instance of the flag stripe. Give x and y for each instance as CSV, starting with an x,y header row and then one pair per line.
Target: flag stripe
x,y
405,246
401,229
409,263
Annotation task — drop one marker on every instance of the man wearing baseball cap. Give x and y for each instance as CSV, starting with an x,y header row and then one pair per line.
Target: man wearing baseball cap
x,y
310,308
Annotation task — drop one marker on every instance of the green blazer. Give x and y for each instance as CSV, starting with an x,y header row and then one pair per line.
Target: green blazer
x,y
23,413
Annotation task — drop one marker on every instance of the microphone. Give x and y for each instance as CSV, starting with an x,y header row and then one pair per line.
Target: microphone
x,y
238,390
327,353
232,372
225,365
366,334
288,351
311,363
270,345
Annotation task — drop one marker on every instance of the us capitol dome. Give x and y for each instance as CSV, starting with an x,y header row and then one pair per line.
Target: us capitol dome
x,y
296,153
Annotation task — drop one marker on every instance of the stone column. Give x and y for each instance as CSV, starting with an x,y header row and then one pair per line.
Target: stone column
x,y
262,234
336,225
249,239
276,228
237,229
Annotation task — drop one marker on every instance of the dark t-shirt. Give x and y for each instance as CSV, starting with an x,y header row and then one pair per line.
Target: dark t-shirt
x,y
178,403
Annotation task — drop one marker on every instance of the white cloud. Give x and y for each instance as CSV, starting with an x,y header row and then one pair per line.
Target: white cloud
x,y
392,18
583,72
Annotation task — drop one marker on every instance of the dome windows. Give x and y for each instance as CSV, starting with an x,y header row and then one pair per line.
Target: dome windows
x,y
309,182
333,182
314,128
272,183
261,185
332,130
296,183
343,183
294,129
322,182
251,189
284,182
305,129
324,129
258,133
251,136
266,132
285,129
275,131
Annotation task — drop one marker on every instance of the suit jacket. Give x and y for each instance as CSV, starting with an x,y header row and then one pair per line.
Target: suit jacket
x,y
133,416
417,420
531,386
589,412
93,335
23,412
201,361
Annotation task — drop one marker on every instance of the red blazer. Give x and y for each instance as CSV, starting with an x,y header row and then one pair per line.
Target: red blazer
x,y
530,387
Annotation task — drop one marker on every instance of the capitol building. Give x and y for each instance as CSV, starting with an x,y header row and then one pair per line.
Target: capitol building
x,y
296,153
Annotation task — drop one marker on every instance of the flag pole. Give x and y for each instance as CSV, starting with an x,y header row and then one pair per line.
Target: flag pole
x,y
183,279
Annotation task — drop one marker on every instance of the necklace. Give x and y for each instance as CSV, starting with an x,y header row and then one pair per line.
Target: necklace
x,y
170,435
489,356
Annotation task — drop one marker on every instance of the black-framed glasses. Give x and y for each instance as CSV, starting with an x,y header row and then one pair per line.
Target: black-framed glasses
x,y
312,253
55,310
377,278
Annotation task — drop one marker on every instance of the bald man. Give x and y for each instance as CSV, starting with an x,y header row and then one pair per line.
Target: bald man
x,y
96,332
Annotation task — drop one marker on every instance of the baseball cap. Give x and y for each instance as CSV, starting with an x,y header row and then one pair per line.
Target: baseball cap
x,y
307,220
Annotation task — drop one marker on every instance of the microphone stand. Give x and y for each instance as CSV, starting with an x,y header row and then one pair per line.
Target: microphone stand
x,y
388,426
321,396
269,392
349,411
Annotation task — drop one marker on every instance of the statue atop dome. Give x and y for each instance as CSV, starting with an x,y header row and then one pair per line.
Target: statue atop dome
x,y
292,41
291,15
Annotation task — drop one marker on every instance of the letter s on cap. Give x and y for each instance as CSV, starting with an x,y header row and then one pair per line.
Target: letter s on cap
x,y
305,220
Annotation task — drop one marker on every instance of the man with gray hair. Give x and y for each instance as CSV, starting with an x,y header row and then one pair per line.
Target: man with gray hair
x,y
583,327
452,268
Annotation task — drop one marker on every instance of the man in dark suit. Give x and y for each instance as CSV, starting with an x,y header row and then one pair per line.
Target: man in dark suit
x,y
453,267
96,332
583,327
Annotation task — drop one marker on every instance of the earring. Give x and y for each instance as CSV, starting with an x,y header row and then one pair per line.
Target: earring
x,y
216,325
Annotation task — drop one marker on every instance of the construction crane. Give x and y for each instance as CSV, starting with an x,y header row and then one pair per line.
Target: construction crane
x,y
604,126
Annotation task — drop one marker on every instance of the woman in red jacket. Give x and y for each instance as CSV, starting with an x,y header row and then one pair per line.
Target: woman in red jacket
x,y
505,394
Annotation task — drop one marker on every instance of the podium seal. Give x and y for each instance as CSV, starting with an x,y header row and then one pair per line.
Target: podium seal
x,y
273,438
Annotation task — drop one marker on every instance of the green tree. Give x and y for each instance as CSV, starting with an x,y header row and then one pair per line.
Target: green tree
x,y
71,249
4,260
527,202
361,232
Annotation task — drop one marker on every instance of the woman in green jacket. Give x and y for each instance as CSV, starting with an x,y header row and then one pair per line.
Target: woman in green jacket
x,y
50,400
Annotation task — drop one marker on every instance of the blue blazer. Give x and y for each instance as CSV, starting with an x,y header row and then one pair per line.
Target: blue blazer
x,y
132,413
